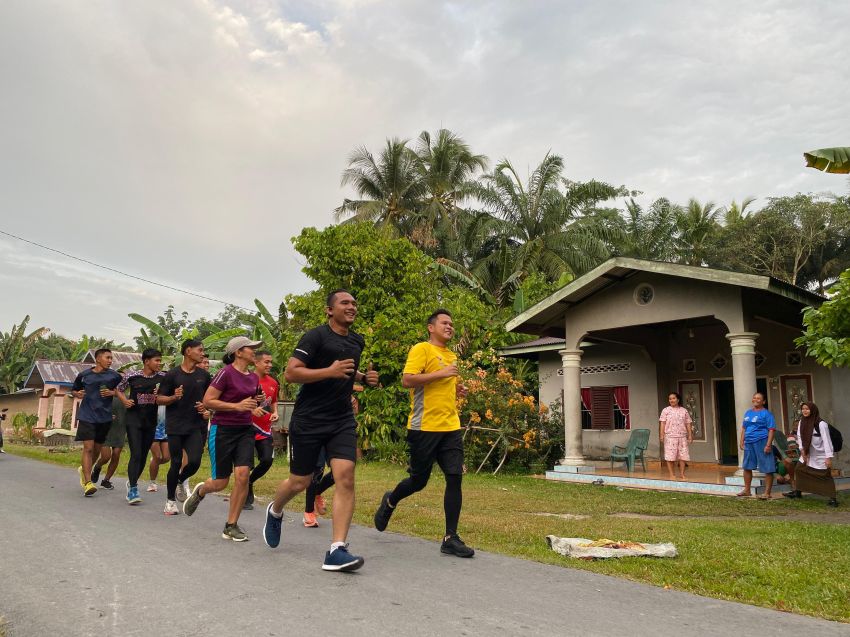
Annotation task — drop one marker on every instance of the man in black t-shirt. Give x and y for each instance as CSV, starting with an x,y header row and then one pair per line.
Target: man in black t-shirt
x,y
141,415
182,391
326,363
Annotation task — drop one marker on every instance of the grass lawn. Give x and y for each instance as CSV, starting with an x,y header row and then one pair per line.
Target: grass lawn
x,y
741,550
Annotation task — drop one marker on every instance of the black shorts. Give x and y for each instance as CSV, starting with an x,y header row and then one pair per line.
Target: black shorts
x,y
444,447
306,447
230,446
96,431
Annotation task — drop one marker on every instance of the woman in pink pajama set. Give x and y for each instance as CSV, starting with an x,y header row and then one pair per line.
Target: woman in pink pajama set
x,y
676,433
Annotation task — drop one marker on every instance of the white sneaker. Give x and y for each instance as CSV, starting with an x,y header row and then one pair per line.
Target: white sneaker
x,y
186,486
152,487
181,492
171,508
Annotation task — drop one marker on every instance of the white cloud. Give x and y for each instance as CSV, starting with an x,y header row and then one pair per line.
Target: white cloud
x,y
156,137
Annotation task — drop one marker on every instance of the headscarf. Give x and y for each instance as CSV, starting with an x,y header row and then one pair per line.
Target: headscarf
x,y
807,426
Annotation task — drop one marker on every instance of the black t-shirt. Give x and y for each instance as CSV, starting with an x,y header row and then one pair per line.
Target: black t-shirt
x,y
326,404
142,394
181,416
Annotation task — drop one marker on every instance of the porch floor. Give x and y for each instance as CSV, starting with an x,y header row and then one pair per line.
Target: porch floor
x,y
700,477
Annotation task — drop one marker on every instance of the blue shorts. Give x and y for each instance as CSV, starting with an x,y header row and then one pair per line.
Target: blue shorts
x,y
160,435
756,459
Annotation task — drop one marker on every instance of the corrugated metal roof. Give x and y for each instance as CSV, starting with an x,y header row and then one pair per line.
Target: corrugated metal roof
x,y
54,372
537,342
119,359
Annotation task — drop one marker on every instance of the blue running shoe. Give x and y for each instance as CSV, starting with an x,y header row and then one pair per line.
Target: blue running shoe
x,y
341,560
133,495
272,529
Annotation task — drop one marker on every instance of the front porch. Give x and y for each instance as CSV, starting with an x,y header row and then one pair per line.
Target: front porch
x,y
702,477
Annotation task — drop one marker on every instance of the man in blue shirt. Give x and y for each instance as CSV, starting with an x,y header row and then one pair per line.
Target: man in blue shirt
x,y
95,387
757,443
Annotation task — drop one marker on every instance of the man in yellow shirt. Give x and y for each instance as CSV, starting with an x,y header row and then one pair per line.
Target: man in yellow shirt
x,y
433,428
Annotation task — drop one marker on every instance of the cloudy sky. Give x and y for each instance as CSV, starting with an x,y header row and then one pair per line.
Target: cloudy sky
x,y
155,137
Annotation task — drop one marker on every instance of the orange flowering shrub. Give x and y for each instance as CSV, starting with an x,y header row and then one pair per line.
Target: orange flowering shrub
x,y
505,424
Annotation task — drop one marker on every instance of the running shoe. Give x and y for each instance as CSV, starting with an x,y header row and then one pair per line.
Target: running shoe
x,y
193,500
453,545
310,520
384,512
89,489
2,450
247,506
320,506
95,472
249,499
186,486
181,492
83,480
152,487
272,528
133,495
233,532
341,560
106,484
171,508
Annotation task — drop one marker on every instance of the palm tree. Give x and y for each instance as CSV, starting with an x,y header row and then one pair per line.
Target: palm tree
x,y
734,213
447,167
698,225
547,225
390,187
647,233
17,353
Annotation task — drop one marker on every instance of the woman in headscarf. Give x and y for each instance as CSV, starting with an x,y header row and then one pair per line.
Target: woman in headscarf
x,y
814,472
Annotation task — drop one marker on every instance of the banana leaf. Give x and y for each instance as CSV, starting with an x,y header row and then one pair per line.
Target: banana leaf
x,y
830,160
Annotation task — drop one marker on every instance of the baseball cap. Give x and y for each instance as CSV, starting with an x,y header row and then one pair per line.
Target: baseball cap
x,y
238,342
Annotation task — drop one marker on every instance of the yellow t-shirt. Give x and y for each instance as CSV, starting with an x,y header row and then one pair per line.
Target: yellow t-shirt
x,y
433,407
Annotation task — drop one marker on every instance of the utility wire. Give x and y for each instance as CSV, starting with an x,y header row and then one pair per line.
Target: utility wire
x,y
132,276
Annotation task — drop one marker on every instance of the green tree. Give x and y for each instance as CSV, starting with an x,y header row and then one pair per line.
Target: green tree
x,y
17,353
698,226
645,233
396,288
827,335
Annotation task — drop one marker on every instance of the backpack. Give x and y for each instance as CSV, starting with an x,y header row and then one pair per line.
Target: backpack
x,y
834,435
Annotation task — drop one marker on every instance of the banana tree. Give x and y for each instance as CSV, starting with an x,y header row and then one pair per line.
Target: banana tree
x,y
157,337
830,160
17,353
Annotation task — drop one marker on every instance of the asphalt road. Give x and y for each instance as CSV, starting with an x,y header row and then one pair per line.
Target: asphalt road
x,y
72,566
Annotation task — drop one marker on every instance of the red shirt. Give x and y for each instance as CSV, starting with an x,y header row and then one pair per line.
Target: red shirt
x,y
263,424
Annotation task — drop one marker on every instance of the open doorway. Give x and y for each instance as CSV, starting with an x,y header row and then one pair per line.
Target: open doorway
x,y
724,410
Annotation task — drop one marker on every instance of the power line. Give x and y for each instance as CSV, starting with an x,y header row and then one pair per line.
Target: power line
x,y
131,276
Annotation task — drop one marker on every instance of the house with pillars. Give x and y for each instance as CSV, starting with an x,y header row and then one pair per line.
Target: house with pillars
x,y
613,343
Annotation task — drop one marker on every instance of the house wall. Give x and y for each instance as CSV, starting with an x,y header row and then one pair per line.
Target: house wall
x,y
675,298
17,403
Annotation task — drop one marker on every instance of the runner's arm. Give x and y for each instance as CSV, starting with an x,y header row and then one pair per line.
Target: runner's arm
x,y
298,372
212,402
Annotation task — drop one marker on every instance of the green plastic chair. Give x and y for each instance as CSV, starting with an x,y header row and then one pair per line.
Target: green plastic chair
x,y
637,444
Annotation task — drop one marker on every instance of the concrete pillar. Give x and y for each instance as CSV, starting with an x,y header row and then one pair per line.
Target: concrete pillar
x,y
43,405
573,449
743,377
58,401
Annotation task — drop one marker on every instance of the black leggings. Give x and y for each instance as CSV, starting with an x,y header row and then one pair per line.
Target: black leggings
x,y
265,457
452,499
140,439
193,444
318,485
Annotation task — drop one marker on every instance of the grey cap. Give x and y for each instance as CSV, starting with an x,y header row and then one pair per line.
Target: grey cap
x,y
238,342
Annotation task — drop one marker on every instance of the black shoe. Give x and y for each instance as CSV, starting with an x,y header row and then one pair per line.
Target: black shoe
x,y
832,502
106,484
384,512
453,545
247,506
250,498
792,494
95,473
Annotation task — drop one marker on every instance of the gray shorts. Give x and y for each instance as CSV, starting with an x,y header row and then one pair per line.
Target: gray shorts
x,y
117,435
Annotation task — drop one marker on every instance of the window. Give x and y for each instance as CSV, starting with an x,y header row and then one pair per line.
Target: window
x,y
605,408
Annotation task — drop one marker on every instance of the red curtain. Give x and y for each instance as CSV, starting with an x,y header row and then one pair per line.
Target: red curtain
x,y
621,399
586,398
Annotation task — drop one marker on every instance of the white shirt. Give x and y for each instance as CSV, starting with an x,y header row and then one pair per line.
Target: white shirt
x,y
821,448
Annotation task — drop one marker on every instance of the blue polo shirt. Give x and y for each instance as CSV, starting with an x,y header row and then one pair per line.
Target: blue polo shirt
x,y
757,425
